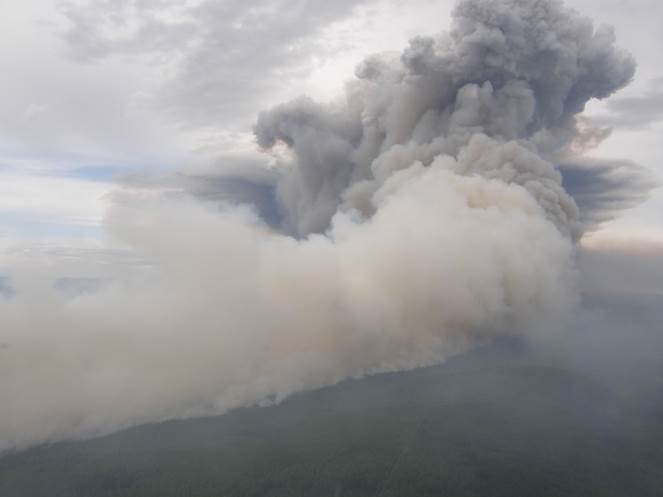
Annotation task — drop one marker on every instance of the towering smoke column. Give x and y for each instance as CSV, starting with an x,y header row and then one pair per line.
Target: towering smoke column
x,y
497,97
421,216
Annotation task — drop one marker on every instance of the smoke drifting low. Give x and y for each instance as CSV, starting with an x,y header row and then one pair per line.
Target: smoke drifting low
x,y
418,217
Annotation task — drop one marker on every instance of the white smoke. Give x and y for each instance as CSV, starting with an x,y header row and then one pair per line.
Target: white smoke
x,y
419,217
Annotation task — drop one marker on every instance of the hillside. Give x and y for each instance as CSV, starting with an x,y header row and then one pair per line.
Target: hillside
x,y
500,421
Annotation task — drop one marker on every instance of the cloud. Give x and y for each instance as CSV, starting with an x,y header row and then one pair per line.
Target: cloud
x,y
635,112
604,188
146,83
52,199
224,59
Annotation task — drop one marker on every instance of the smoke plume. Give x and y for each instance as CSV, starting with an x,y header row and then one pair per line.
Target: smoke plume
x,y
419,216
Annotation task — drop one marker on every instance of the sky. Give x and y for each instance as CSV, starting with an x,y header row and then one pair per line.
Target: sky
x,y
99,90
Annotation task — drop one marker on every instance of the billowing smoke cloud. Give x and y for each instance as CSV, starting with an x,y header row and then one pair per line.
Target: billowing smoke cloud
x,y
517,72
420,216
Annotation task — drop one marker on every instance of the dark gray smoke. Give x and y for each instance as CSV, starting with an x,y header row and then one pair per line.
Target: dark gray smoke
x,y
499,94
604,188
